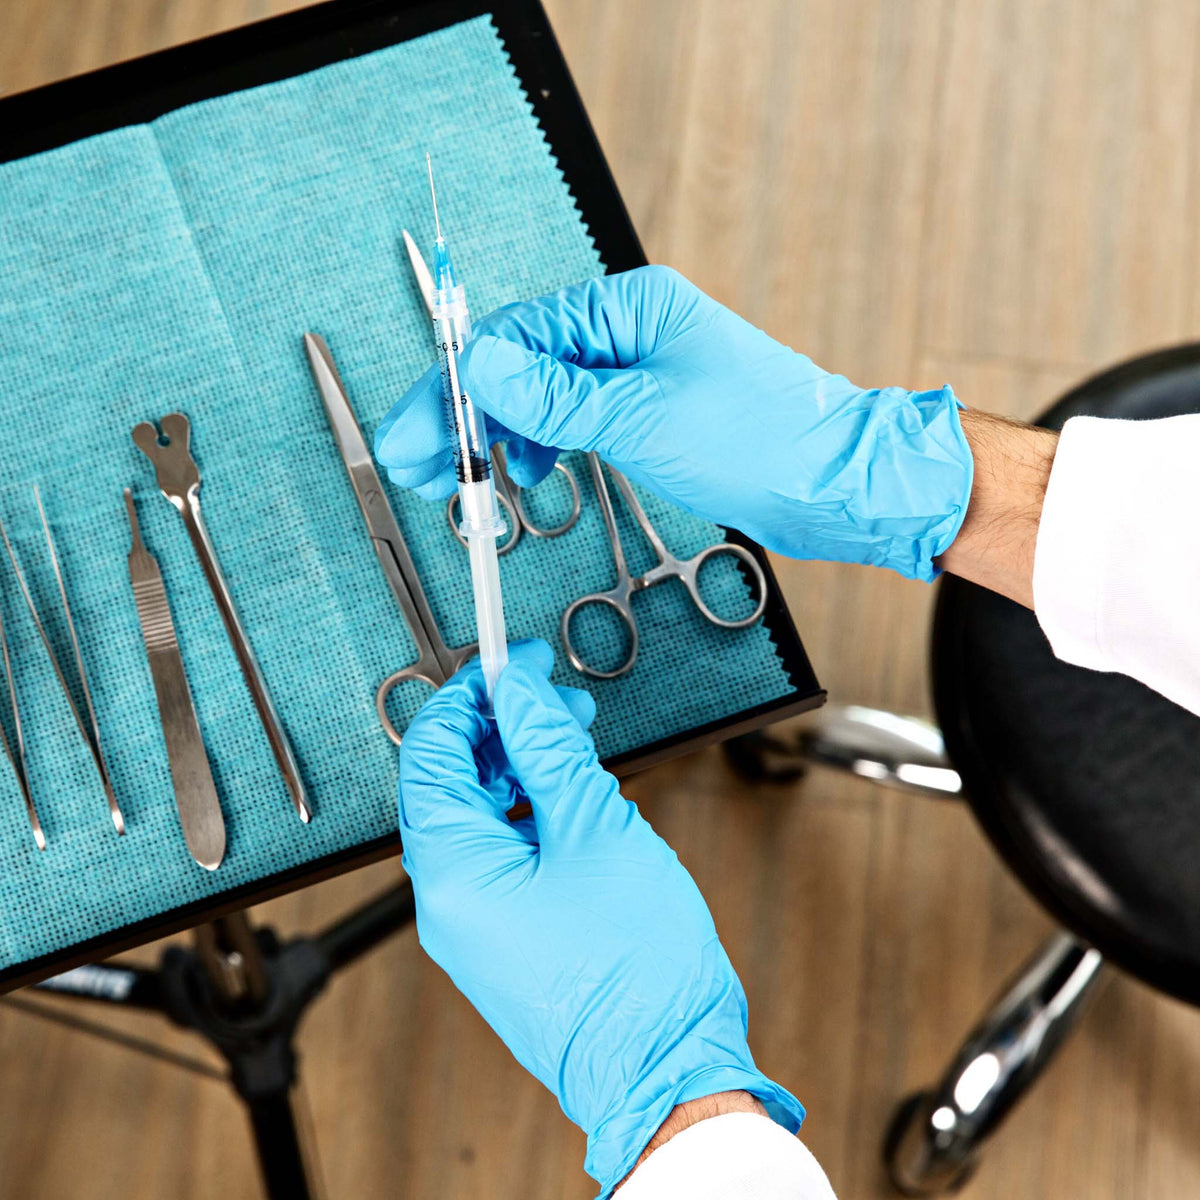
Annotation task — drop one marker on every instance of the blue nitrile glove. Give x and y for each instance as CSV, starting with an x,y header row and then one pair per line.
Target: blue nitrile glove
x,y
576,932
706,410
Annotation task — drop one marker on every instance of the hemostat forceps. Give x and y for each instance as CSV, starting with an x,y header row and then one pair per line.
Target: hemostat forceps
x,y
508,493
620,597
436,662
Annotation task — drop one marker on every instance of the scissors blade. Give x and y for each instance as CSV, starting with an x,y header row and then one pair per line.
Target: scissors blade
x,y
390,547
420,270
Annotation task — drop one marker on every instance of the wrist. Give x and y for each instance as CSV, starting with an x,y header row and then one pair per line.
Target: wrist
x,y
995,545
692,1112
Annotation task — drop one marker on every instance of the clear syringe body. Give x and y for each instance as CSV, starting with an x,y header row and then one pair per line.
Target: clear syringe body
x,y
482,524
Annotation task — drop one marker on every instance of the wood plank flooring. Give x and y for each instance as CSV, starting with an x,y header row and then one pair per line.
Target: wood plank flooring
x,y
998,195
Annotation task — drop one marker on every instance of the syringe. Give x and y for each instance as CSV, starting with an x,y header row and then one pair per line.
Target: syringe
x,y
481,522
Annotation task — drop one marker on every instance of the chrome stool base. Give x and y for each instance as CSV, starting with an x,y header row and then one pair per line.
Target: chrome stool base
x,y
932,1146
933,1142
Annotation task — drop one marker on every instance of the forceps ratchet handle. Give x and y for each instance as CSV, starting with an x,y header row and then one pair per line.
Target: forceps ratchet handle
x,y
687,570
619,598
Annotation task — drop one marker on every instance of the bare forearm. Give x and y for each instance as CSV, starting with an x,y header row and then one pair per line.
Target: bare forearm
x,y
685,1115
995,546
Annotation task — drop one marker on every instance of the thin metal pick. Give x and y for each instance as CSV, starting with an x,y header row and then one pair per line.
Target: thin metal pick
x,y
90,729
17,756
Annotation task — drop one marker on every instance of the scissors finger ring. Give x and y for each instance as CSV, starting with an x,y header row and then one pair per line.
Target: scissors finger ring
x,y
689,572
618,600
551,531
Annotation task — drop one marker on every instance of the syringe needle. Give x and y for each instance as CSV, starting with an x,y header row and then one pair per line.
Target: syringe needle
x,y
481,521
433,195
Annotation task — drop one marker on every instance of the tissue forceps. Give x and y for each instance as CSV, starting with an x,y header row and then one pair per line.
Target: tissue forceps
x,y
89,729
686,570
508,493
15,750
436,662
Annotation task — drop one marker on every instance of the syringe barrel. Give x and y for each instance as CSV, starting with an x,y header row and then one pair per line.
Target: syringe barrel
x,y
465,423
481,526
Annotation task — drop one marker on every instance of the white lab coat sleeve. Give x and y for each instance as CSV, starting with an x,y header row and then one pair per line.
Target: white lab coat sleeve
x,y
1116,574
737,1156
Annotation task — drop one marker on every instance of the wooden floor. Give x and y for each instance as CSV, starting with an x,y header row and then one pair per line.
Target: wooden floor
x,y
1002,195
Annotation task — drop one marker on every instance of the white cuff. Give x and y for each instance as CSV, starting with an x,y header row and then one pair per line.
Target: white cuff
x,y
1116,575
737,1156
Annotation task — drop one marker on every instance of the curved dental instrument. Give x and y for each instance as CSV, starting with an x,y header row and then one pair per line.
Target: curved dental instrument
x,y
436,662
191,776
179,481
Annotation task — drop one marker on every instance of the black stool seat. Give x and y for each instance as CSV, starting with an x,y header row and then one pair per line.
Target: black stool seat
x,y
1088,784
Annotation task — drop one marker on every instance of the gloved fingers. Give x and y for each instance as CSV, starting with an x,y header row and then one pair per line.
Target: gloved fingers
x,y
441,487
411,441
528,462
557,403
495,770
446,814
536,656
551,754
580,704
434,478
610,321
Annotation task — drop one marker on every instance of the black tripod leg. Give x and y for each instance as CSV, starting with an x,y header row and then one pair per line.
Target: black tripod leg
x,y
245,993
281,1139
257,1000
363,930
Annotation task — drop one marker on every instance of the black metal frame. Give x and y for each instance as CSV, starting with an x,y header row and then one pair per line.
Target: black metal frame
x,y
245,992
275,49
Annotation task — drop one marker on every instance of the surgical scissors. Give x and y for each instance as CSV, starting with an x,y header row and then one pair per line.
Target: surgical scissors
x,y
687,571
508,493
436,662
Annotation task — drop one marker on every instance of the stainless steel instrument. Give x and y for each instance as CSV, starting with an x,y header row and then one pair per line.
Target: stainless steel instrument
x,y
191,776
512,500
618,597
510,495
436,662
179,480
686,570
15,749
89,729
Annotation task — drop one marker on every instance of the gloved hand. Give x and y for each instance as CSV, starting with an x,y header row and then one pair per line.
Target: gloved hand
x,y
576,932
701,407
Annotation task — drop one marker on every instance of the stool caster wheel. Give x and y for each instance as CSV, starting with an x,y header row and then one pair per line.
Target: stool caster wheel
x,y
933,1143
897,751
761,757
912,1155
